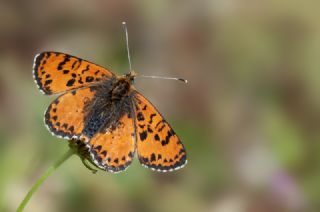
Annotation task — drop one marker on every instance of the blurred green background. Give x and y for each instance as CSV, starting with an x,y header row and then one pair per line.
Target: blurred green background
x,y
249,117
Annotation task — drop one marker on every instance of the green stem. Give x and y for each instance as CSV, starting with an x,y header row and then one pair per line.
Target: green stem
x,y
45,175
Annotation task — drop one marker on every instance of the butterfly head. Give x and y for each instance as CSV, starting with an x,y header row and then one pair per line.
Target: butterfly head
x,y
122,86
131,76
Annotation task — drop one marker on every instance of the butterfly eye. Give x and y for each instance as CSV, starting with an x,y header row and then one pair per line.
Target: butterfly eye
x,y
130,76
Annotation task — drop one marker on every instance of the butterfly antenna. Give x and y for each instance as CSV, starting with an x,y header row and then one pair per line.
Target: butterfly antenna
x,y
127,43
169,78
129,59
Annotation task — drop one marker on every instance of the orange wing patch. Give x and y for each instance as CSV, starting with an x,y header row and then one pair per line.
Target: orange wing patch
x,y
58,72
114,149
65,116
158,147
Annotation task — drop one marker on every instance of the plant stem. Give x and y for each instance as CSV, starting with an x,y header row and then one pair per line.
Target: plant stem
x,y
45,175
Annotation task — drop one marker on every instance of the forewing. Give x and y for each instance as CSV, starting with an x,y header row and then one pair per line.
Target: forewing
x,y
113,149
58,72
65,116
158,146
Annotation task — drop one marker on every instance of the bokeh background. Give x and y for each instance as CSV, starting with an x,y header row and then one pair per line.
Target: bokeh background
x,y
249,117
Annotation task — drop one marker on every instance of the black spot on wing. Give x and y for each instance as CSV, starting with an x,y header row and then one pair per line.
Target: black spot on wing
x,y
140,116
89,79
153,157
161,128
130,154
182,151
156,137
47,82
143,135
84,70
159,123
99,147
151,117
104,153
78,65
71,129
149,129
80,80
167,139
65,125
56,102
65,60
70,82
73,64
143,160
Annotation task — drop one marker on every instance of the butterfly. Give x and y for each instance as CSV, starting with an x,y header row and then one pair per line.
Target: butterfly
x,y
106,113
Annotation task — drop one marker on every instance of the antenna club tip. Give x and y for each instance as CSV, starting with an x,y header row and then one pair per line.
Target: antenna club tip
x,y
183,80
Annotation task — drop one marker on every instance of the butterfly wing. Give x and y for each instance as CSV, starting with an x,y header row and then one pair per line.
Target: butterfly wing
x,y
113,149
65,116
58,72
158,146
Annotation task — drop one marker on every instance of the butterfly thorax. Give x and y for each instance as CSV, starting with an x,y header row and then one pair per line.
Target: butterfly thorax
x,y
121,87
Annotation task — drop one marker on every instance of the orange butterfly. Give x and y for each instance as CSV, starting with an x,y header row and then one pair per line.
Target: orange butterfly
x,y
107,113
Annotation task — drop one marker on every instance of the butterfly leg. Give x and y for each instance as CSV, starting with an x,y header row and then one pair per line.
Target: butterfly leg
x,y
82,151
88,165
